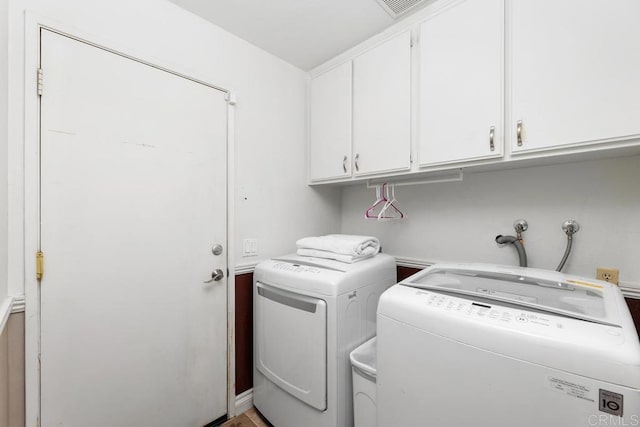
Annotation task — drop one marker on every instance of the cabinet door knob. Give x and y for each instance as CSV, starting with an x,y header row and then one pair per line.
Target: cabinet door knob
x,y
492,132
519,133
357,162
344,164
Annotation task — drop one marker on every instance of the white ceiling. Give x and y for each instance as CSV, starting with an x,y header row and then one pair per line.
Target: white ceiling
x,y
305,33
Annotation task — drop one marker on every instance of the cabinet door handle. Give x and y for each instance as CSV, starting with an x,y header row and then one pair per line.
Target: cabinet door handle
x,y
357,162
344,164
492,132
519,133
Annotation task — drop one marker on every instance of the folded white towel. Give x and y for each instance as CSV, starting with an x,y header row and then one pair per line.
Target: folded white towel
x,y
349,259
344,244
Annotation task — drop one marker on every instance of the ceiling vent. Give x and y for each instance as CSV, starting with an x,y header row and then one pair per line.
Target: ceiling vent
x,y
396,8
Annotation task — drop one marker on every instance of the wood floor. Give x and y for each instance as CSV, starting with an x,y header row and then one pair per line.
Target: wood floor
x,y
251,418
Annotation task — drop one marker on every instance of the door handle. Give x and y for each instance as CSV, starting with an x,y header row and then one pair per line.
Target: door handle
x,y
216,276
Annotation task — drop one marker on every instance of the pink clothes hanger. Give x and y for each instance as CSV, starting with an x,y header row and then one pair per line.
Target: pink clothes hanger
x,y
380,200
389,210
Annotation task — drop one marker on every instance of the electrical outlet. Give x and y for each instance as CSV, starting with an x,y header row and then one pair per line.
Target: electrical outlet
x,y
607,274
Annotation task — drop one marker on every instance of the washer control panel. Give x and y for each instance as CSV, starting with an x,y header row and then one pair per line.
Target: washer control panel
x,y
489,312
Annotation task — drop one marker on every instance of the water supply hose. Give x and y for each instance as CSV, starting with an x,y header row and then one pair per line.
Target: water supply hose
x,y
512,240
566,253
570,228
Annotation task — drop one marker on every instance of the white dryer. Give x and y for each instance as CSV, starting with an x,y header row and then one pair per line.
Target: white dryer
x,y
480,345
309,314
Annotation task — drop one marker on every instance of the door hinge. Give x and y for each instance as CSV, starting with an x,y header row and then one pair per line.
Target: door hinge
x,y
39,81
39,265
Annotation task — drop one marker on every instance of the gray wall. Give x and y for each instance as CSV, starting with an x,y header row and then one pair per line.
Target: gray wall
x,y
16,370
12,372
4,377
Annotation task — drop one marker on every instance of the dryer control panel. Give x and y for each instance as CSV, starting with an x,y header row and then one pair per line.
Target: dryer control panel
x,y
296,268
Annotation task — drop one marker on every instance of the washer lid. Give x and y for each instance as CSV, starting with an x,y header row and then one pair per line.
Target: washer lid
x,y
537,289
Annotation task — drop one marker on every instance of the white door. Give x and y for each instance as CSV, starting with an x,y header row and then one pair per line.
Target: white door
x,y
330,124
575,67
461,69
133,197
382,107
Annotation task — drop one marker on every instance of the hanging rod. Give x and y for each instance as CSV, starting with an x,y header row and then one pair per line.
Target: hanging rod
x,y
457,176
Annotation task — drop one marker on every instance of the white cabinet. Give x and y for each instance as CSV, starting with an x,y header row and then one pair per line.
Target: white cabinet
x,y
382,107
575,68
461,83
492,81
330,124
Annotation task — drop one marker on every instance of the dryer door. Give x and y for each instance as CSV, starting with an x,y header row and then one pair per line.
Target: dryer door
x,y
291,338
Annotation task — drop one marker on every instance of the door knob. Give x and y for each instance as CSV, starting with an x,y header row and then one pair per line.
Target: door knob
x,y
216,276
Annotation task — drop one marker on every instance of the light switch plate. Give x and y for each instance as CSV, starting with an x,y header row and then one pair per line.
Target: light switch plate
x,y
250,247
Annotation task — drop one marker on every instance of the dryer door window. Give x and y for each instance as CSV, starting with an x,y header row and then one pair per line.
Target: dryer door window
x,y
291,343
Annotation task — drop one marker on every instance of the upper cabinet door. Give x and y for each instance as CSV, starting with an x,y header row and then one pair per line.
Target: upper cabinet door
x,y
575,72
330,124
461,83
382,108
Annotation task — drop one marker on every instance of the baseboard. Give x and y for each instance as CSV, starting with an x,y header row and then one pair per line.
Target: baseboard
x,y
244,401
413,262
630,290
245,268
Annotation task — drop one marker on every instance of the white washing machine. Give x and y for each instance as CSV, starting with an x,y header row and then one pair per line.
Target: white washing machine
x,y
309,314
481,345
